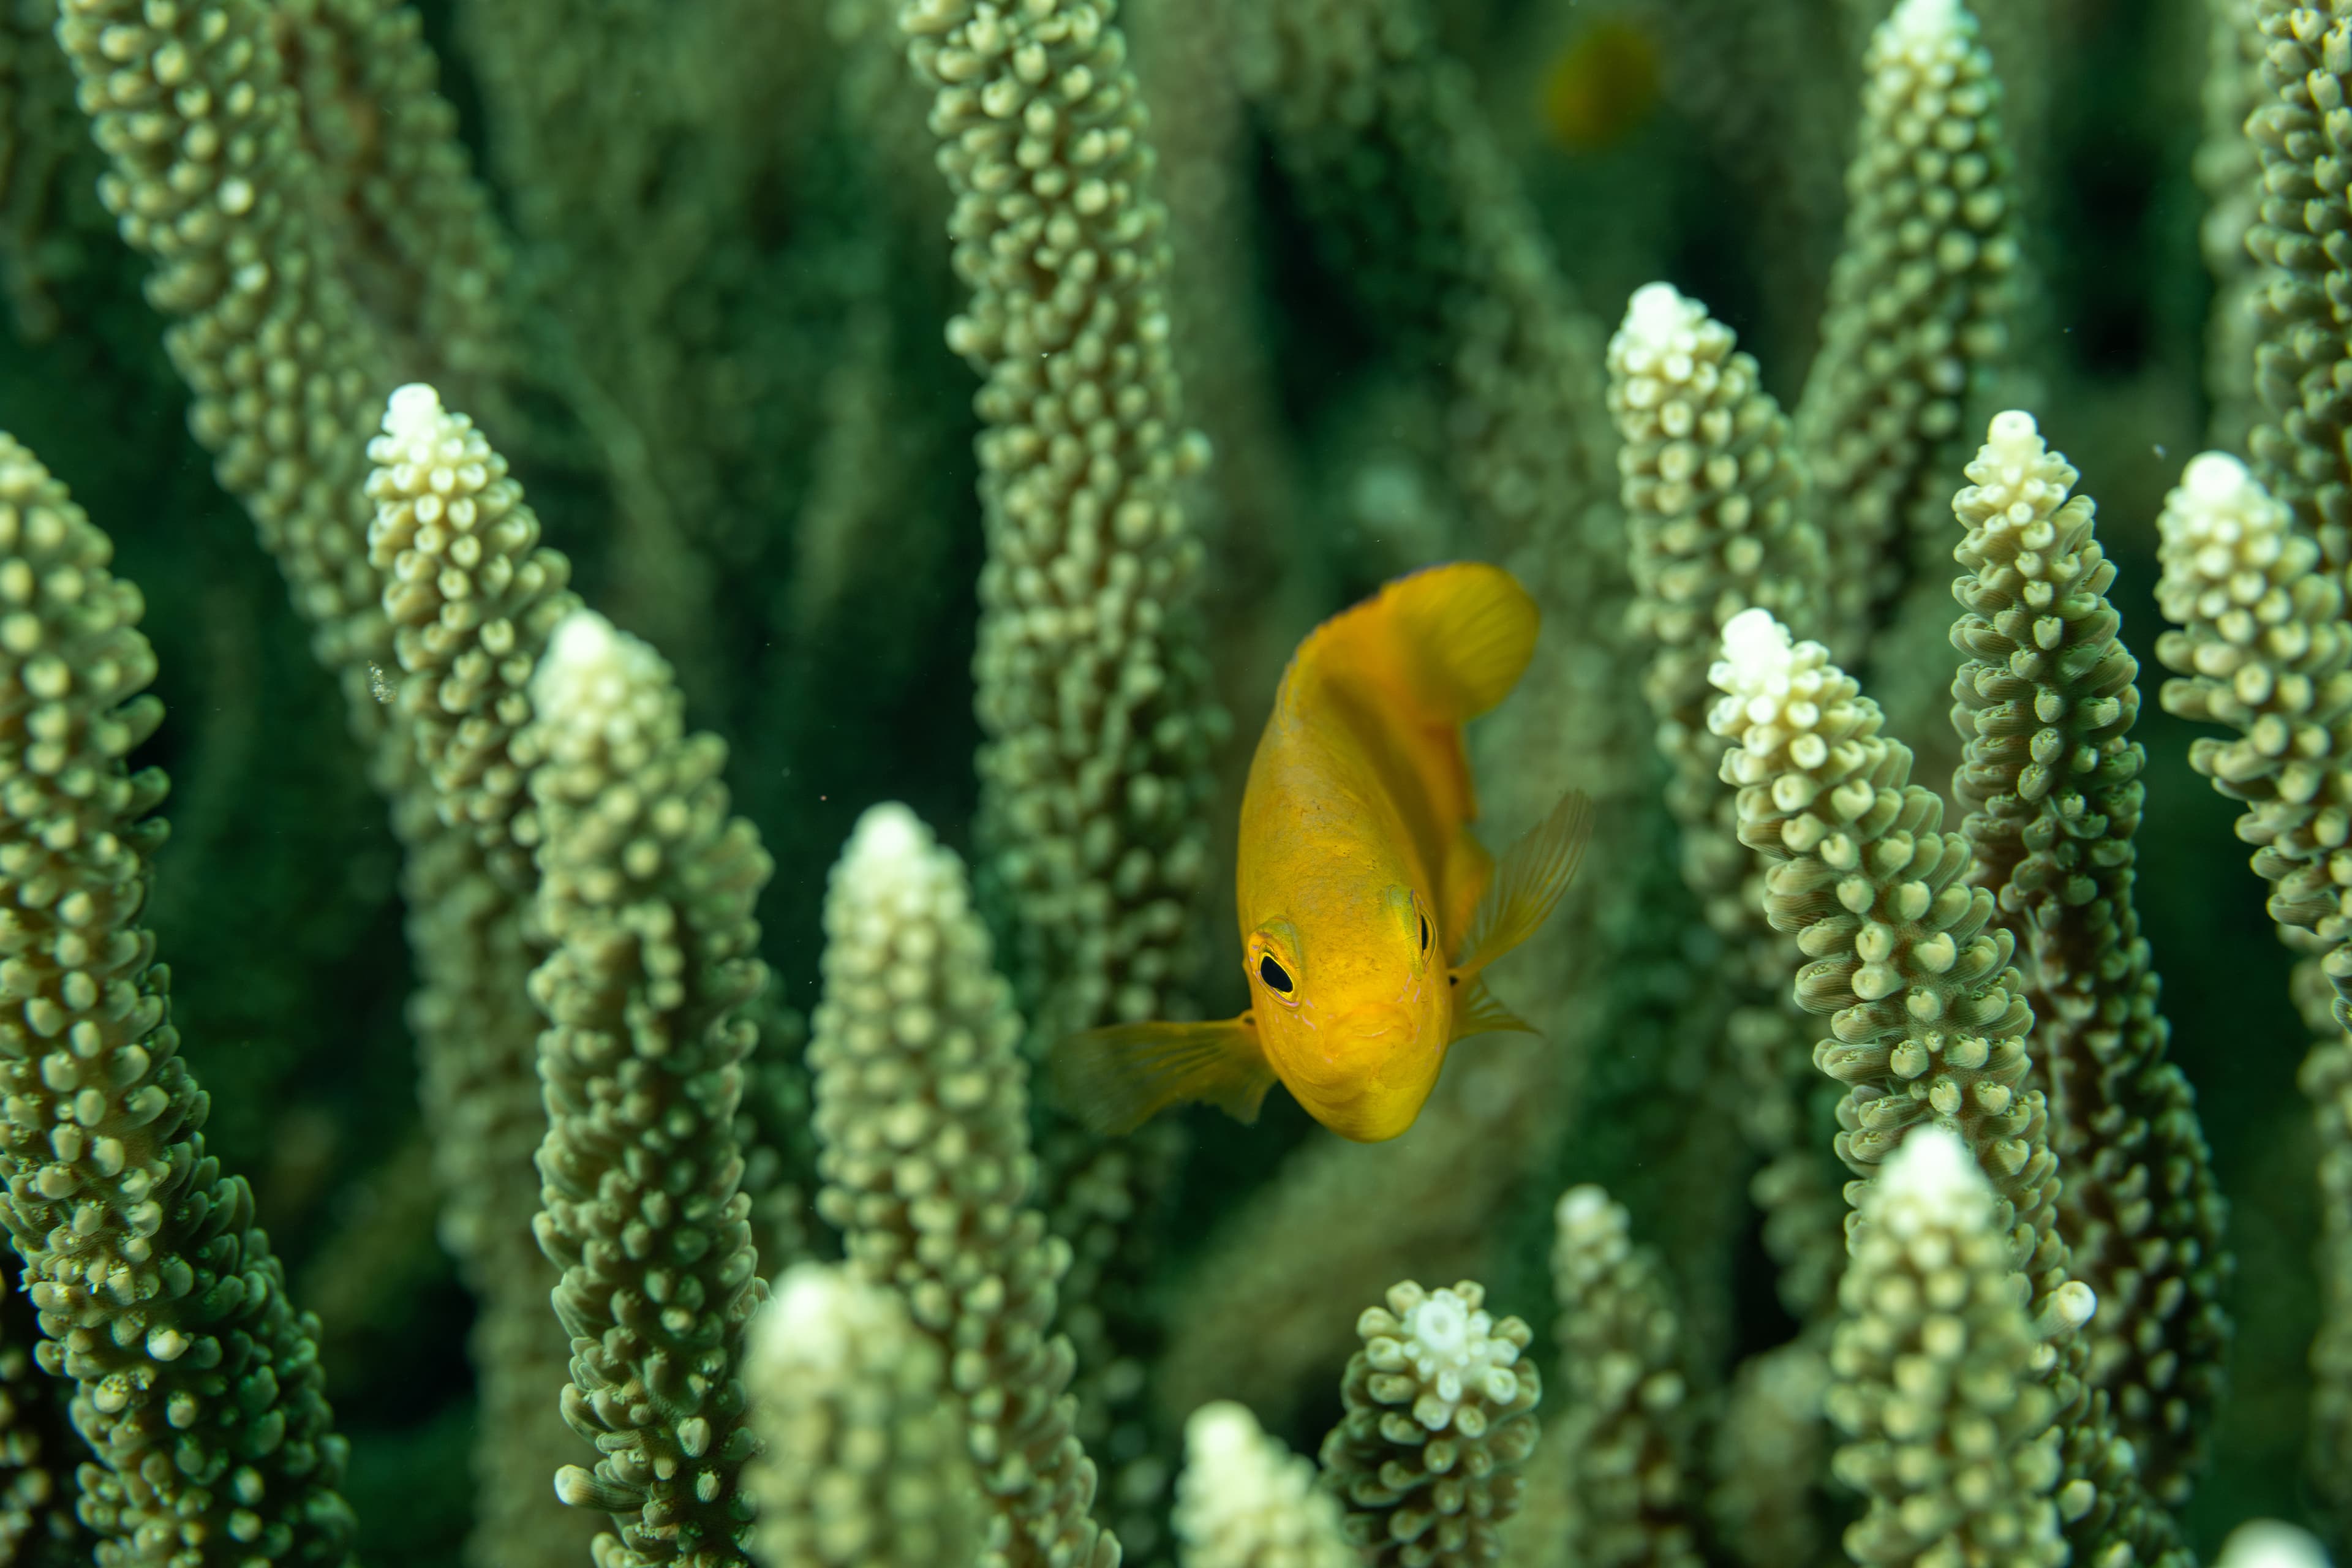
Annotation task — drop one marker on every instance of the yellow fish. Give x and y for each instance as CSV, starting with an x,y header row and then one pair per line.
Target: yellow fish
x,y
1358,874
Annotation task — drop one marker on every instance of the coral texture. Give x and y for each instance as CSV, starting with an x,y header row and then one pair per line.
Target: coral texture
x,y
2297,239
1245,1501
1089,685
1919,303
1629,1420
645,888
1942,1387
195,1383
922,1106
1441,1414
2046,701
861,1461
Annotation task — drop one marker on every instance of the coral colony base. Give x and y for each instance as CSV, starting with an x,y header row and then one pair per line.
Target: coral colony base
x,y
486,1131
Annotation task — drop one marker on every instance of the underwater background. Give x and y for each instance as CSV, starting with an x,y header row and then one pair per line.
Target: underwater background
x,y
690,266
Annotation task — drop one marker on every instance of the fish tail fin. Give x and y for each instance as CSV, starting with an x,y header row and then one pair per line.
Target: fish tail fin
x,y
1477,1013
1450,640
1527,884
1117,1078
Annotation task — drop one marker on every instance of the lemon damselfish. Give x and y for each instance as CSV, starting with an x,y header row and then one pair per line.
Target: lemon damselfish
x,y
1368,910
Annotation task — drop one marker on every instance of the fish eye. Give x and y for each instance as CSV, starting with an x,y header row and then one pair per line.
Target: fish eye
x,y
1274,975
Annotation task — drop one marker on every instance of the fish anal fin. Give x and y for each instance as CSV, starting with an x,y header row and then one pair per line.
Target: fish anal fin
x,y
1527,883
1477,1013
1115,1079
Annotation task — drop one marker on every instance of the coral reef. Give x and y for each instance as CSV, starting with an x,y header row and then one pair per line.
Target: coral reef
x,y
940,420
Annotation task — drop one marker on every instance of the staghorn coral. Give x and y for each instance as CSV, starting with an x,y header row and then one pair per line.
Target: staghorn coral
x,y
1091,688
2296,237
748,412
2260,645
2046,702
861,1460
1928,1022
1714,494
921,1106
215,176
1440,1414
211,178
1628,1423
1942,1378
1088,684
195,1381
1245,1501
1917,304
646,889
471,598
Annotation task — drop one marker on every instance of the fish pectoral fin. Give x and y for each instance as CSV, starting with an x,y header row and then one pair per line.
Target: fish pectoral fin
x,y
1117,1078
1526,886
1477,1013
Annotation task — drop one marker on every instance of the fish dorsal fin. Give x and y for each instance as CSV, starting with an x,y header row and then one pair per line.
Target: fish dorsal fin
x,y
1527,884
1115,1079
1477,1013
1450,641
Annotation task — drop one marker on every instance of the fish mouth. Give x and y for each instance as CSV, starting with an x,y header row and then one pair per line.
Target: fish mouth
x,y
1374,1021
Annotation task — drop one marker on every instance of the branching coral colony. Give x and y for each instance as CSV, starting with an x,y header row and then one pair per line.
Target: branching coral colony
x,y
1979,1175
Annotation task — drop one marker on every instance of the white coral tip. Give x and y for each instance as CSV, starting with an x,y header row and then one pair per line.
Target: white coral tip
x,y
887,835
592,672
1932,1179
1922,24
893,870
413,413
2013,439
1442,1324
2073,1304
1220,1432
1658,314
2214,479
584,644
2267,1543
814,1317
2012,426
1579,1206
1757,653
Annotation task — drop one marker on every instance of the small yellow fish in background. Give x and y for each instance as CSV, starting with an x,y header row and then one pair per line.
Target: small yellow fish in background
x,y
1601,86
1358,874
